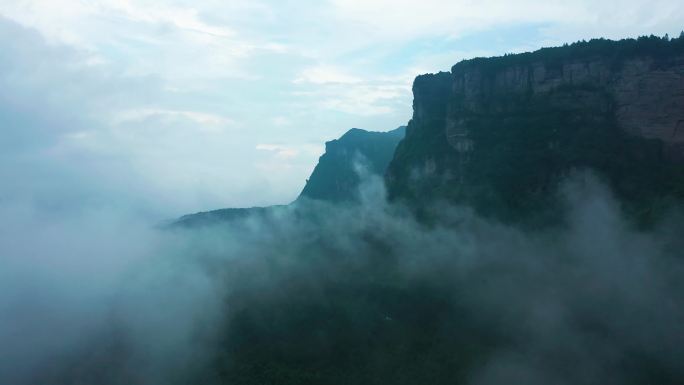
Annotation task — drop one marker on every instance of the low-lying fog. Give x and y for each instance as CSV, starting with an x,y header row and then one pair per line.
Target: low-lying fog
x,y
100,296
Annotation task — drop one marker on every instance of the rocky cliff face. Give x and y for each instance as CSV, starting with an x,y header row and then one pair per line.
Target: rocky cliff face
x,y
498,132
647,95
336,177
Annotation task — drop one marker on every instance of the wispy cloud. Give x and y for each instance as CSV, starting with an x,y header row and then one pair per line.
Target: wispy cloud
x,y
326,75
290,151
279,150
205,121
335,88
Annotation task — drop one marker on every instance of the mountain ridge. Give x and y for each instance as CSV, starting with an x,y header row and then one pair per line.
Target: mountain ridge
x,y
336,176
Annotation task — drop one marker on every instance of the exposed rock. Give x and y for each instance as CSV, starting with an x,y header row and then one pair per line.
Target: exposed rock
x,y
648,96
538,112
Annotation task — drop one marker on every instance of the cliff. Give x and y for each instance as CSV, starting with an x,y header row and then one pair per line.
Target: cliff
x,y
500,133
337,174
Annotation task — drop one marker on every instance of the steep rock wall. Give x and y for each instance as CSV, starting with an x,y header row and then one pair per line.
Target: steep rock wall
x,y
648,95
501,132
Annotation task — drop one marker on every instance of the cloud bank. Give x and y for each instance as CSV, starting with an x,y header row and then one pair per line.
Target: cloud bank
x,y
102,298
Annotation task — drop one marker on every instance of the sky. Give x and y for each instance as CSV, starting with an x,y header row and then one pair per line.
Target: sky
x,y
167,108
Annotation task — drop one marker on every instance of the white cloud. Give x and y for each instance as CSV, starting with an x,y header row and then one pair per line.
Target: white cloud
x,y
363,97
326,75
281,121
290,151
180,17
279,150
207,122
367,99
406,19
173,39
447,17
335,89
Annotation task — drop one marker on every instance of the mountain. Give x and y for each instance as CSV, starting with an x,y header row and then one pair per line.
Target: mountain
x,y
335,178
338,172
500,133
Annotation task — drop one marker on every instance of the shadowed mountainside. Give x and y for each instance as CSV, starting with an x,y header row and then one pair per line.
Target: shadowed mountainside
x,y
336,177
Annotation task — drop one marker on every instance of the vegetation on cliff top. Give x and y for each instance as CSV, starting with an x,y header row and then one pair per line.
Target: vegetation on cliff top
x,y
614,50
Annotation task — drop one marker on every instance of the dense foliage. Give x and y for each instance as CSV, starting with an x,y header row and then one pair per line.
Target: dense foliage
x,y
615,50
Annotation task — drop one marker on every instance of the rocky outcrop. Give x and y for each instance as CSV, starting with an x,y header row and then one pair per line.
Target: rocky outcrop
x,y
491,124
338,173
647,94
